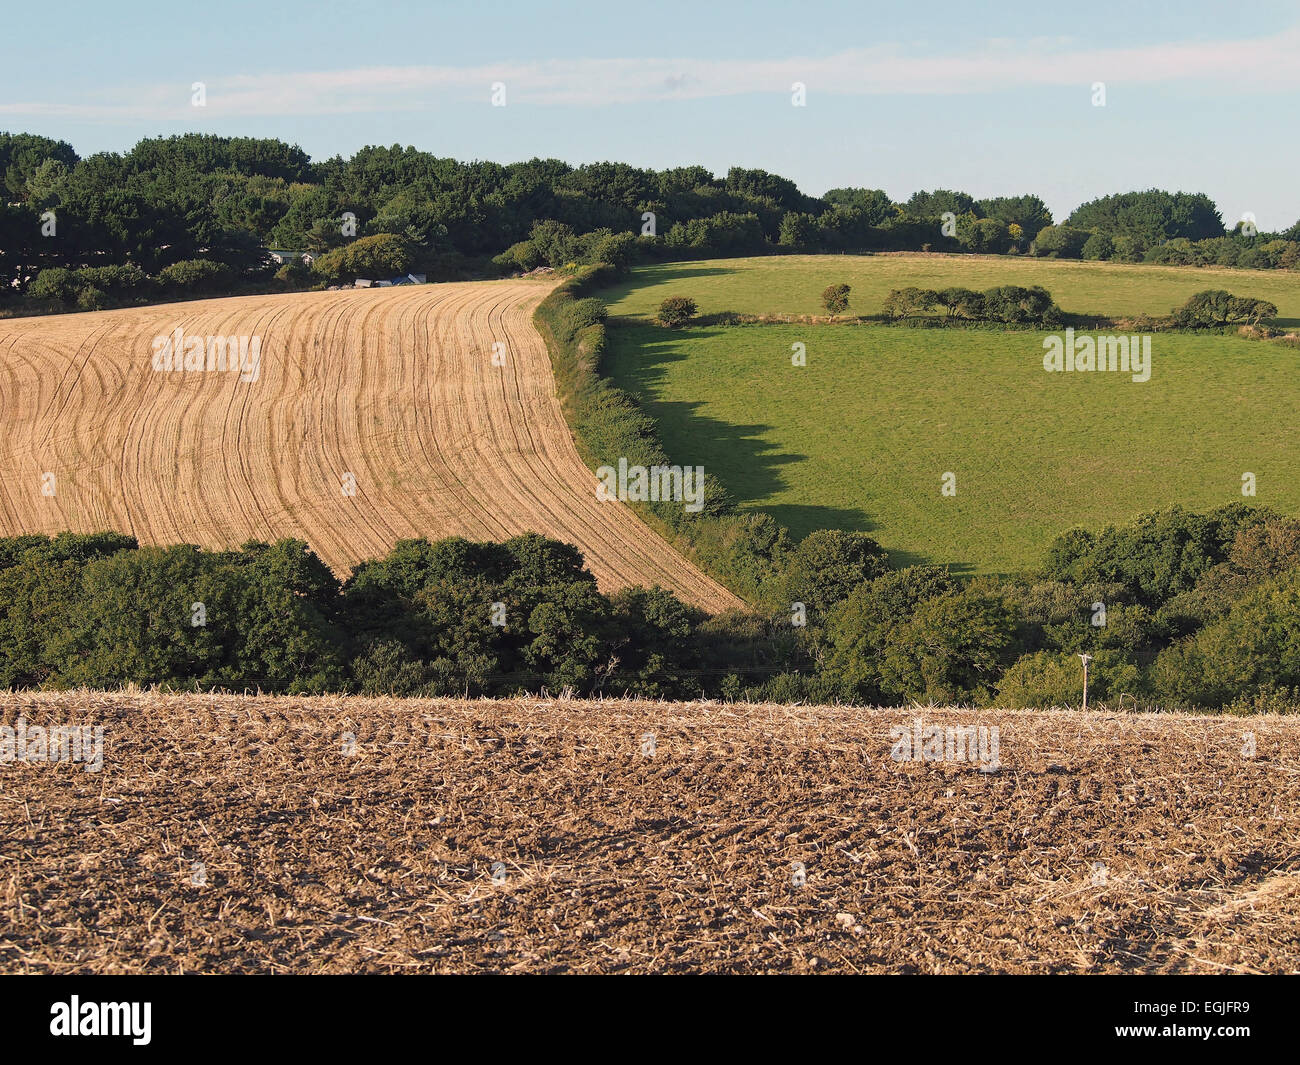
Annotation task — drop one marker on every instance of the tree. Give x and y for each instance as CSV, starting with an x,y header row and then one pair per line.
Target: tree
x,y
983,235
1098,246
675,311
961,303
1018,305
383,256
761,185
829,563
953,649
859,629
835,298
902,302
1256,646
1156,556
874,206
797,229
1215,307
1060,242
927,206
1153,216
1027,212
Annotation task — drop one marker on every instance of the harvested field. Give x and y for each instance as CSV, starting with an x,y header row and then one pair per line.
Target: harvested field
x,y
396,387
237,834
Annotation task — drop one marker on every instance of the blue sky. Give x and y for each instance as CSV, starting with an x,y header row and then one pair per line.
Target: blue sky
x,y
1199,96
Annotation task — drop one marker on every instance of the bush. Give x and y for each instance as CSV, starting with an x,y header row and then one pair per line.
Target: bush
x,y
91,288
522,256
196,275
56,283
296,274
835,298
92,299
1098,246
1215,307
619,250
1060,242
379,257
720,233
675,311
119,281
902,302
1055,678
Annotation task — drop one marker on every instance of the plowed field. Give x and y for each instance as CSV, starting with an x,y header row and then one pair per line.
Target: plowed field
x,y
234,834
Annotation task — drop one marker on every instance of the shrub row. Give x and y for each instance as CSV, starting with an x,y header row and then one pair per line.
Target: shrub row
x,y
93,288
1010,304
744,551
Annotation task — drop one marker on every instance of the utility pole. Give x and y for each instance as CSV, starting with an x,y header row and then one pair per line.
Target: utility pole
x,y
1086,659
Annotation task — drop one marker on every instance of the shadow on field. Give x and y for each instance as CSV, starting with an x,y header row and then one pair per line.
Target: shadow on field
x,y
802,519
748,466
643,276
735,453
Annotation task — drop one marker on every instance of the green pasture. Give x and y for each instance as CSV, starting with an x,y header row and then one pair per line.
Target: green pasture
x,y
792,284
861,436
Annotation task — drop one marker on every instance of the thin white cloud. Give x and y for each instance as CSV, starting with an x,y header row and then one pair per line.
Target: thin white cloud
x,y
1260,64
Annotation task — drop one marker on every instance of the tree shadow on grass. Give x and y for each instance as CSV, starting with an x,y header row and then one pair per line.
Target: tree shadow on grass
x,y
802,519
747,465
648,276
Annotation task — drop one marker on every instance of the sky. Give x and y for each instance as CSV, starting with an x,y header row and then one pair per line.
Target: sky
x,y
992,100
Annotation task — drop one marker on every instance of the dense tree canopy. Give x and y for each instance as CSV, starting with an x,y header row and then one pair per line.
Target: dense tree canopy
x,y
227,200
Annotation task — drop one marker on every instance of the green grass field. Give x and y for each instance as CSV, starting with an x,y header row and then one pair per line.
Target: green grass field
x,y
792,284
861,436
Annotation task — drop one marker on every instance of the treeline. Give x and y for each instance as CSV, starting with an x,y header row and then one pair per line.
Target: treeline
x,y
223,201
430,618
1176,610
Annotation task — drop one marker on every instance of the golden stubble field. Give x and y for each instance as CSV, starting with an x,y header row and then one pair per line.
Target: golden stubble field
x,y
258,834
374,415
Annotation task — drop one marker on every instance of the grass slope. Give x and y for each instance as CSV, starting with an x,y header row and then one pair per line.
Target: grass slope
x,y
792,284
861,436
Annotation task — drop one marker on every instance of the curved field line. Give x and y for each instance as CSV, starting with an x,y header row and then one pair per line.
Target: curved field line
x,y
395,386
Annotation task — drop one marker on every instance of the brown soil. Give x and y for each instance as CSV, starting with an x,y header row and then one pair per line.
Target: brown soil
x,y
1104,843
